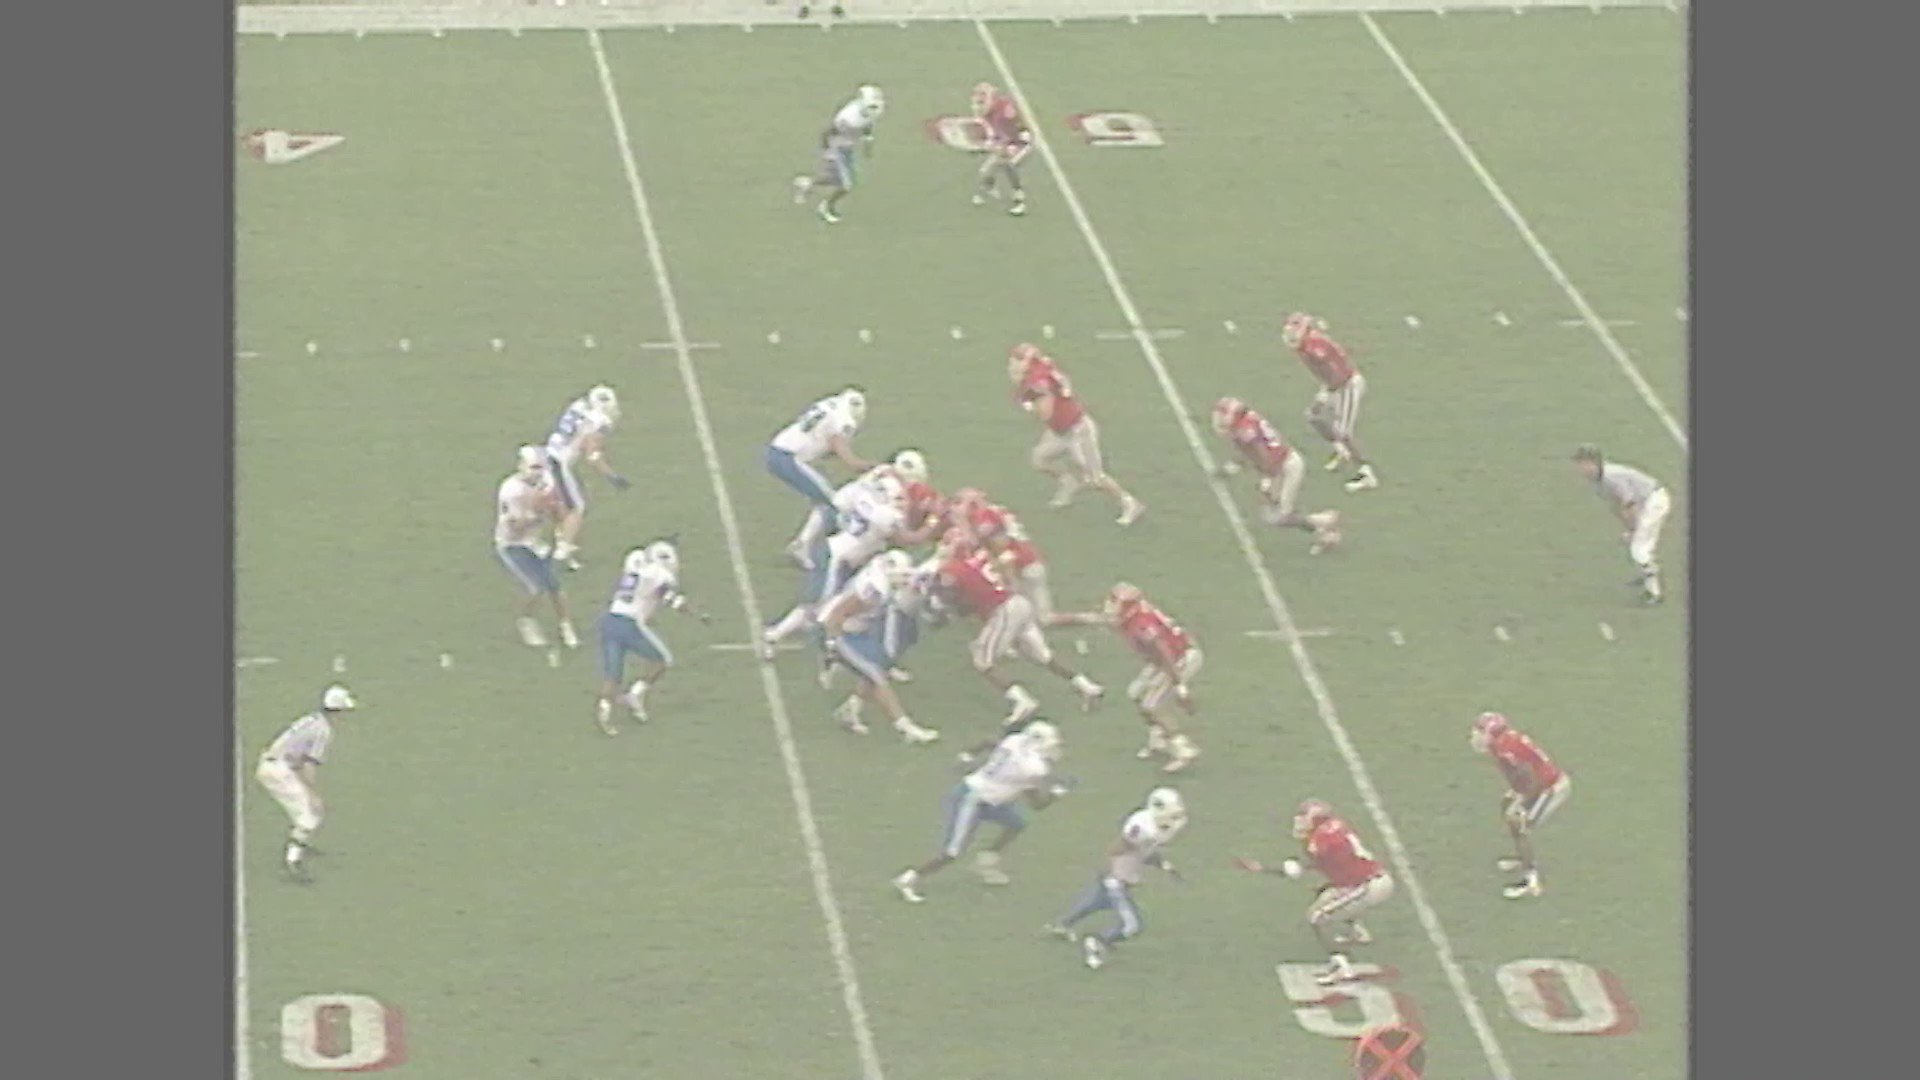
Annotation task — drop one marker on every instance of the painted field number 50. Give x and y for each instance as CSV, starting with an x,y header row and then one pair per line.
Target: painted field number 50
x,y
341,1033
1555,997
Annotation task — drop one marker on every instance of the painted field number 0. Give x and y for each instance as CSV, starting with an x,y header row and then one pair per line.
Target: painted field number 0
x,y
1555,997
341,1033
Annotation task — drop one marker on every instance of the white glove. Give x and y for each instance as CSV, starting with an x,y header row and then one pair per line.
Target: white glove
x,y
1291,868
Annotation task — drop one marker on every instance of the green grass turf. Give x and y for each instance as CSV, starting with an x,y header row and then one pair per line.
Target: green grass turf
x,y
542,902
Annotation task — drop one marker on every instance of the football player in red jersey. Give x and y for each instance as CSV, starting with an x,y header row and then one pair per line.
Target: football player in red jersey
x,y
970,575
1536,787
1172,658
996,528
1069,446
1009,140
1280,467
1335,412
1355,883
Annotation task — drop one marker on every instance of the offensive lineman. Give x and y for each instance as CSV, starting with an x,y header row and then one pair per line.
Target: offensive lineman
x,y
1021,765
527,502
1642,505
851,125
649,578
868,627
287,770
1281,472
1143,839
580,434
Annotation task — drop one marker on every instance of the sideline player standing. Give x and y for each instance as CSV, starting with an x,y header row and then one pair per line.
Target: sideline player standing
x,y
649,578
1355,883
527,502
1069,446
1021,765
1335,412
1143,839
1009,140
851,125
1536,787
1281,471
1642,505
580,433
288,770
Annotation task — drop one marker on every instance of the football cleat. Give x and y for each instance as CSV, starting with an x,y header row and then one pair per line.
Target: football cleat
x,y
530,634
913,734
1130,511
904,882
1019,208
1524,890
1095,952
568,636
1061,932
979,199
1063,495
1338,971
827,215
801,186
604,718
1364,480
848,718
1183,756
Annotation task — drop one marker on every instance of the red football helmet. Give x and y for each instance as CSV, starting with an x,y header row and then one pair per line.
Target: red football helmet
x,y
1309,817
1021,358
1487,727
983,95
1297,326
1122,599
1227,412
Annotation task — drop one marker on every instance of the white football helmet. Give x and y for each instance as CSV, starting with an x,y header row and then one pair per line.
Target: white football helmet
x,y
897,567
1486,727
603,400
982,98
1308,817
636,561
872,100
890,490
910,466
856,403
1121,600
1169,810
1045,738
532,463
1297,326
1021,358
663,553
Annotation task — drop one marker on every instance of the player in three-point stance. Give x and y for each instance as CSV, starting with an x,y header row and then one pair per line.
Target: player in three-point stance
x,y
1144,836
851,126
649,579
1021,766
1281,471
826,427
288,770
1069,446
1355,883
869,625
1642,505
907,466
1009,140
580,434
1335,412
972,578
1536,787
527,503
1172,658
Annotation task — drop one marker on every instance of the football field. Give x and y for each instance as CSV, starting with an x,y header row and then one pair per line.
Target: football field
x,y
1489,209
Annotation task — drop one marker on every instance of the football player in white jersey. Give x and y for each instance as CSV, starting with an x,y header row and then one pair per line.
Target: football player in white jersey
x,y
579,435
850,126
868,626
1021,766
826,427
527,504
877,519
649,580
1143,839
289,767
908,466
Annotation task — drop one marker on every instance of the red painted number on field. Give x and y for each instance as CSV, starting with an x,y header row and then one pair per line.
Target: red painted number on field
x,y
963,133
341,1033
1117,129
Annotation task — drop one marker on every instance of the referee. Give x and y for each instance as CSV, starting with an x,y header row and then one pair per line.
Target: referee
x,y
1642,505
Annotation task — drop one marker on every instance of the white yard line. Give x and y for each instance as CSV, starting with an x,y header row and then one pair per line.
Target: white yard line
x,y
1540,252
1283,618
776,702
242,1001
